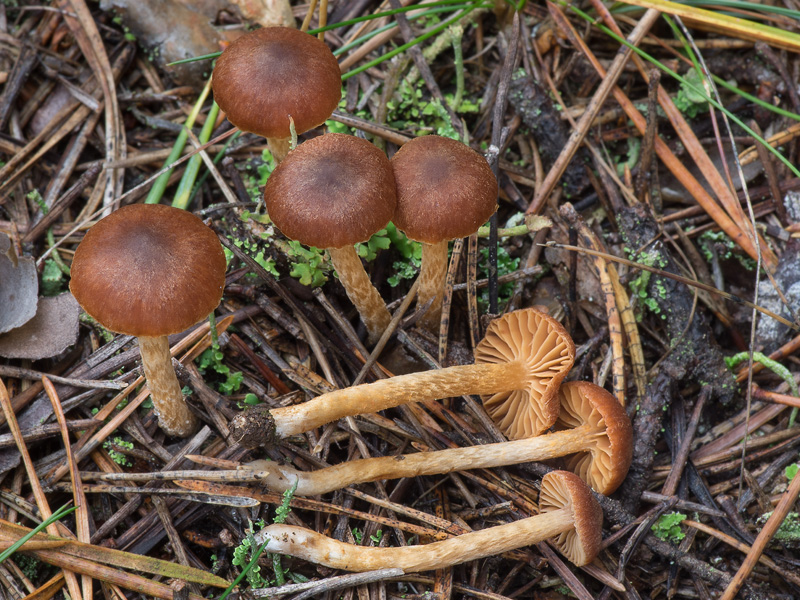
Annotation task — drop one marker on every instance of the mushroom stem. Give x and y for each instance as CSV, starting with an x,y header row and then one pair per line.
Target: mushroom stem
x,y
279,148
174,416
387,393
432,274
360,290
319,549
322,481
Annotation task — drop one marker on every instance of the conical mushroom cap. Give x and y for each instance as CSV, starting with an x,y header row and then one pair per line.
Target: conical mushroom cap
x,y
561,489
547,351
148,270
331,191
605,466
270,74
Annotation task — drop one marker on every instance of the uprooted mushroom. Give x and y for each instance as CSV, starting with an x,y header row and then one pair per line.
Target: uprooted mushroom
x,y
568,515
518,368
593,427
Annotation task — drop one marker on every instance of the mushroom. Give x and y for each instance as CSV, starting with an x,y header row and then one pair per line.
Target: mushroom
x,y
151,270
519,366
568,515
445,191
332,192
270,77
597,428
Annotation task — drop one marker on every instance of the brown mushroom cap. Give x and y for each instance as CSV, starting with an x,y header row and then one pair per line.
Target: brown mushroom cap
x,y
445,190
148,270
331,191
561,489
605,466
548,351
270,74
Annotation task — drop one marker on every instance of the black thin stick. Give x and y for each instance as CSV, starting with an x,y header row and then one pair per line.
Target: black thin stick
x,y
499,133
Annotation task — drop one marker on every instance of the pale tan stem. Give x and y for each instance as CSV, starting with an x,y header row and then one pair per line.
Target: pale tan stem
x,y
322,550
279,148
387,393
360,290
322,481
174,417
432,273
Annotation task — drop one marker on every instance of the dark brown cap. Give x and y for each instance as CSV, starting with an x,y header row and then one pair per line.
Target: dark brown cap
x,y
445,190
270,74
331,191
148,270
610,445
547,352
565,490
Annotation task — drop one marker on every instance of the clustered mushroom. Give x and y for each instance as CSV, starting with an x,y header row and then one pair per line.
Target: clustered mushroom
x,y
591,429
275,76
150,270
333,192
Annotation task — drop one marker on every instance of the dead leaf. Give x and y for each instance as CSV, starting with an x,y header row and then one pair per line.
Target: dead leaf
x,y
267,13
19,287
171,31
50,332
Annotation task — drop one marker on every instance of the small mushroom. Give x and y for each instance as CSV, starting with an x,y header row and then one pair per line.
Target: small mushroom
x,y
596,428
151,270
568,515
332,192
519,366
445,191
270,77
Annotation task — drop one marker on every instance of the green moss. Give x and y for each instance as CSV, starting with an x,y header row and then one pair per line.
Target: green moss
x,y
118,457
789,529
726,249
668,527
640,286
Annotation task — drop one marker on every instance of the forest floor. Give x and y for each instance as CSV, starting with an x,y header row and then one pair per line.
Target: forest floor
x,y
594,148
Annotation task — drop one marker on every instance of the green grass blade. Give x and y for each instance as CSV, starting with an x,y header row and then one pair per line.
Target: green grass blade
x,y
160,184
56,516
417,40
183,194
696,89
